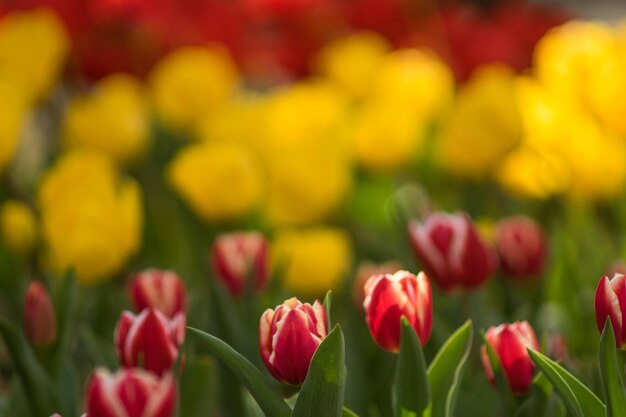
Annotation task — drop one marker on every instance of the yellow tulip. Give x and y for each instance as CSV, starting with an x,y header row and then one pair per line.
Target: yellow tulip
x,y
417,79
352,61
191,81
313,260
91,216
241,119
305,188
484,126
113,119
18,226
385,136
529,172
33,47
306,117
220,181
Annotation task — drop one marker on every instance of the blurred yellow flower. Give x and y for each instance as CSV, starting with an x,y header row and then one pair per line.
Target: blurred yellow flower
x,y
313,260
18,226
565,149
306,117
305,188
12,115
191,81
484,126
417,79
112,119
305,153
33,47
91,217
385,135
352,61
528,172
220,181
241,119
567,56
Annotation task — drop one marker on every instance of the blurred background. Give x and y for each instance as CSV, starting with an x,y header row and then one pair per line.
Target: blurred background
x,y
134,132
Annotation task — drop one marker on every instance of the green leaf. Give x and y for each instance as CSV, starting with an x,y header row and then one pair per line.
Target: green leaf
x,y
323,389
502,383
446,370
345,412
612,381
328,302
197,387
579,400
65,308
39,388
269,401
411,393
559,383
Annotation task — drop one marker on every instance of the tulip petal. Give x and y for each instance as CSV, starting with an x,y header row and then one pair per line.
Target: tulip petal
x,y
515,360
607,305
293,347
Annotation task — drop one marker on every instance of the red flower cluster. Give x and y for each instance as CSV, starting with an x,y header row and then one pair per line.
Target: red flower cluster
x,y
276,38
148,340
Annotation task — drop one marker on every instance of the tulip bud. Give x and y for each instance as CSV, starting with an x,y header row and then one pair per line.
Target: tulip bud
x,y
149,340
39,317
509,342
391,296
365,271
522,246
130,393
611,302
452,252
240,256
289,336
163,290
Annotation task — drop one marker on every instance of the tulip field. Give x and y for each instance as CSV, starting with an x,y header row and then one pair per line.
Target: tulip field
x,y
298,208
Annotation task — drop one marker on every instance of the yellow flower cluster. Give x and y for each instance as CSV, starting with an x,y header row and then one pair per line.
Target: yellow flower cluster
x,y
559,130
91,216
367,105
112,119
24,35
397,95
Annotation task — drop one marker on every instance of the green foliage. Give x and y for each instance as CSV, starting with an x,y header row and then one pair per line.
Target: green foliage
x,y
446,370
323,390
411,392
612,379
269,401
579,400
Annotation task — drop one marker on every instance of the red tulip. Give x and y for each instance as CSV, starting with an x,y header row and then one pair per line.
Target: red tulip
x,y
163,290
150,339
239,256
365,272
289,336
509,342
452,252
39,318
130,393
611,302
389,297
522,247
